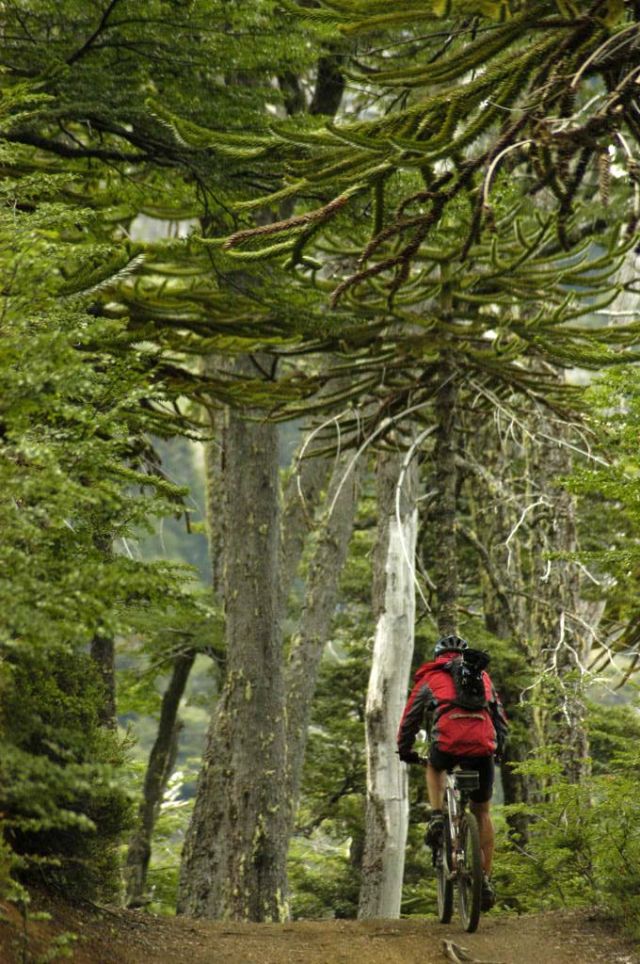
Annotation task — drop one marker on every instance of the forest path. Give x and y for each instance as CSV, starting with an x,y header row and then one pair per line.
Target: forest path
x,y
128,937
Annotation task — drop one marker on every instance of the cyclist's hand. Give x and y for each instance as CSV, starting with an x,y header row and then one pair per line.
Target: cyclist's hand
x,y
410,756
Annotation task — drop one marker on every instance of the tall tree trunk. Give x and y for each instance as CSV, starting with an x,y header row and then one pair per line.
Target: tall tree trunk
x,y
565,642
103,654
302,496
159,769
494,514
444,511
214,502
320,599
213,365
387,806
234,859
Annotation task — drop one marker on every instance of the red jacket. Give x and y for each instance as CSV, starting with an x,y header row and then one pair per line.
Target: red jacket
x,y
451,729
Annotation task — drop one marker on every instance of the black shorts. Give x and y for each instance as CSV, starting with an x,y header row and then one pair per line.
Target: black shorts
x,y
484,765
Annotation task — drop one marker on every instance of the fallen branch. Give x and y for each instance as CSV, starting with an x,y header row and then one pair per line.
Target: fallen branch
x,y
460,955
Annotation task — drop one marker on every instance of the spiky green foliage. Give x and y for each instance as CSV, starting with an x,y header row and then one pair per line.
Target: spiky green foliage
x,y
583,849
386,200
469,211
147,112
114,72
473,93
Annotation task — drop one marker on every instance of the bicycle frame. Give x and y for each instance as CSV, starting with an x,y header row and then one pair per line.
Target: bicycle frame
x,y
458,860
459,785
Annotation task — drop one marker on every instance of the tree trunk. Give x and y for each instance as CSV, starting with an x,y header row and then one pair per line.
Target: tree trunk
x,y
159,769
103,655
301,498
318,609
214,503
565,642
387,805
234,859
444,512
212,365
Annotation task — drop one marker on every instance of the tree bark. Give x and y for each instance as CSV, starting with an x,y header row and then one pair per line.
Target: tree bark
x,y
159,769
103,655
234,859
212,365
445,507
387,805
564,642
301,498
318,609
214,504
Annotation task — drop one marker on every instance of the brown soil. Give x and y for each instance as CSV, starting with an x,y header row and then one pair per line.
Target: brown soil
x,y
106,936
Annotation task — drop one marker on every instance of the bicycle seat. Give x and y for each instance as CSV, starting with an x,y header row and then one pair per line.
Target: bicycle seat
x,y
466,779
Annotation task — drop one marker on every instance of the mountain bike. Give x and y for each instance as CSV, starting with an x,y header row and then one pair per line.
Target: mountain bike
x,y
458,858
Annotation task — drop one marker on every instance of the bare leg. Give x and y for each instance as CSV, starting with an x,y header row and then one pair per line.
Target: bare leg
x,y
436,782
487,835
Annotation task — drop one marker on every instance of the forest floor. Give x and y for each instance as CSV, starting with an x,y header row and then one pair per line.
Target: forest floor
x,y
105,936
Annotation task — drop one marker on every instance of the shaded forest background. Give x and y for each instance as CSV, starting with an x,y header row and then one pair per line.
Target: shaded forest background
x,y
318,340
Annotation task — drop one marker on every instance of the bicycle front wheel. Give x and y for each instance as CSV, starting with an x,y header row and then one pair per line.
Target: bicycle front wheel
x,y
443,875
470,873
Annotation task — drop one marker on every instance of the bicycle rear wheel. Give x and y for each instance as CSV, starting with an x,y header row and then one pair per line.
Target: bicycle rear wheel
x,y
470,873
443,869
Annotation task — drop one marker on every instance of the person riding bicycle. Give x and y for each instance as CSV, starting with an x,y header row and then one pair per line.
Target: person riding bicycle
x,y
459,736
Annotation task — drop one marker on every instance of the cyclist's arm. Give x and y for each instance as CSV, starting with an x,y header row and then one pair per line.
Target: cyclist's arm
x,y
500,721
419,705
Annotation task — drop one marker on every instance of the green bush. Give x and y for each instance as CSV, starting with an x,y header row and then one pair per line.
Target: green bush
x,y
583,847
66,809
323,880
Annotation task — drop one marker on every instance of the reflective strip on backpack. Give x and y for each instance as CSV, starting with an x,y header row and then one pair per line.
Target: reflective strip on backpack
x,y
468,716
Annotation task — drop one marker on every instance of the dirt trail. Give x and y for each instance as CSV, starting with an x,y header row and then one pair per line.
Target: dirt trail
x,y
126,937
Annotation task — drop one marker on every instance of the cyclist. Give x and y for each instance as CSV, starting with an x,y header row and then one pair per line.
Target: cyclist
x,y
458,737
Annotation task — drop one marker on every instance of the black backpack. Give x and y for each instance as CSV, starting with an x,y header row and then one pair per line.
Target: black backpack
x,y
467,678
